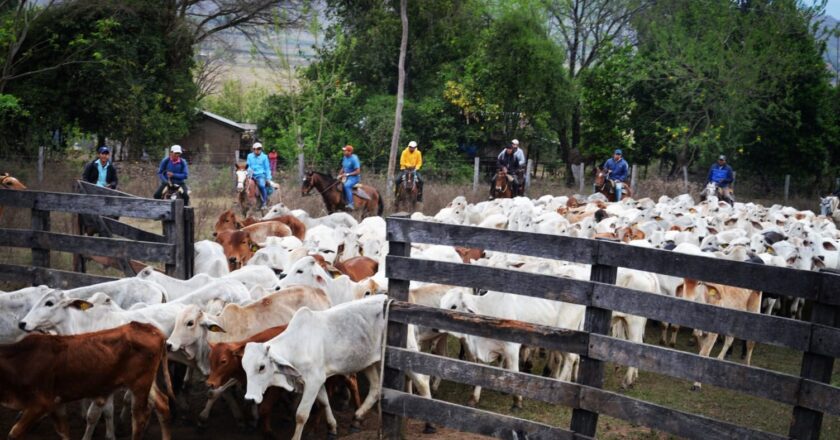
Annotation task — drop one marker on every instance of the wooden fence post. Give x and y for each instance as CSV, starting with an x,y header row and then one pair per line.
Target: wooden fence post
x,y
685,178
633,177
582,176
597,321
189,242
787,186
476,161
734,179
173,230
41,154
836,183
301,169
528,170
40,256
807,423
392,425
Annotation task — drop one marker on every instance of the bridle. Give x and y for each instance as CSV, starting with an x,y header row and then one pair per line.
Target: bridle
x,y
501,189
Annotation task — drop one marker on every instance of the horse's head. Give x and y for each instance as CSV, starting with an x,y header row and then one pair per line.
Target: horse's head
x,y
600,177
241,175
307,184
9,182
710,190
501,180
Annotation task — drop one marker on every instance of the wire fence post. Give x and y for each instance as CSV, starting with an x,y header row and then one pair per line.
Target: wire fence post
x,y
475,173
582,176
787,186
41,164
734,179
235,157
300,166
633,181
528,170
836,184
685,178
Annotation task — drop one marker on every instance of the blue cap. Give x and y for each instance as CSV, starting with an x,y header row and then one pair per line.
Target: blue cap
x,y
104,150
618,151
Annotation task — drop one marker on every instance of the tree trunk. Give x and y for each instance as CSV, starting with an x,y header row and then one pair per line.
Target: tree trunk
x,y
395,137
564,154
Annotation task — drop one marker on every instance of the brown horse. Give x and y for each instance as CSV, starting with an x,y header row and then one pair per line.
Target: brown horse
x,y
407,191
248,195
502,186
365,197
9,182
606,186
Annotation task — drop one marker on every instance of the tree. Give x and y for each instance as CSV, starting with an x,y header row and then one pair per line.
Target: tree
x,y
395,137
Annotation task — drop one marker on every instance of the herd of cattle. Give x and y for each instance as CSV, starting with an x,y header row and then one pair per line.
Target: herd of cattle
x,y
295,303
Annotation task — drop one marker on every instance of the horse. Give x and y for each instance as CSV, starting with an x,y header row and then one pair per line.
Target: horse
x,y
365,197
172,191
407,191
713,190
502,186
9,182
829,207
248,194
606,186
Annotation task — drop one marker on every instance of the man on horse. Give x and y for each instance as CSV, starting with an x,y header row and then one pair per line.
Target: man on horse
x,y
351,170
617,172
511,165
101,171
260,170
722,176
412,159
173,169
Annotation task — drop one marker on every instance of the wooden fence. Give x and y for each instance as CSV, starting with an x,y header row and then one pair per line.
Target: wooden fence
x,y
98,207
809,393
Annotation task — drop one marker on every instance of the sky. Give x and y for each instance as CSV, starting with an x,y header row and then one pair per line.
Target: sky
x,y
833,8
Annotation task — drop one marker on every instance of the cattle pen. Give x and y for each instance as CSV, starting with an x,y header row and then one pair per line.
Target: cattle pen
x,y
98,210
810,393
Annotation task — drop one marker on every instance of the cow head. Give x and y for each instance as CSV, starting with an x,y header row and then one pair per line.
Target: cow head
x,y
265,369
227,222
50,311
237,246
225,363
191,327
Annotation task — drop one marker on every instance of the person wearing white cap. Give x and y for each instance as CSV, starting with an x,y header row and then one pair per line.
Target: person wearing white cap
x,y
517,171
173,169
411,159
260,170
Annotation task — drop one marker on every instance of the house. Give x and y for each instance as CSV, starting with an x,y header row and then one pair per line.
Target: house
x,y
216,139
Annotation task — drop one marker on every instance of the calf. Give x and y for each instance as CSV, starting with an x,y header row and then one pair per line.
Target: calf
x,y
226,365
42,372
316,345
357,268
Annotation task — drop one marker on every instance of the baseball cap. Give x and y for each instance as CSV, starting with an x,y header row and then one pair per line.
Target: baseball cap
x,y
721,157
257,145
514,142
348,148
104,150
412,144
618,152
175,149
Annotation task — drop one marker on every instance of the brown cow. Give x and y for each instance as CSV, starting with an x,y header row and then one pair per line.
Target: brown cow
x,y
42,372
469,254
357,268
226,364
238,247
228,221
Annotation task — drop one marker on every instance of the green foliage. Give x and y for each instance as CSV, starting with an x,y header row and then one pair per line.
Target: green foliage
x,y
237,102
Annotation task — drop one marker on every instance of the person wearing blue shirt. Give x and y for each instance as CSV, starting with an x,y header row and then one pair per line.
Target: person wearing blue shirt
x,y
173,169
721,175
618,170
351,168
260,170
101,171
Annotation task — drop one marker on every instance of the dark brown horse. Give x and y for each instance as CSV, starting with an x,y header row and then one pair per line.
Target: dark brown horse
x,y
9,182
365,197
502,186
407,191
606,186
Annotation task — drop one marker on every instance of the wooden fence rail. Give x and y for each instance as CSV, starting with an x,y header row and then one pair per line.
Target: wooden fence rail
x,y
96,206
809,393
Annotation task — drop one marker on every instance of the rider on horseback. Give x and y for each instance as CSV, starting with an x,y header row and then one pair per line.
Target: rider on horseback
x,y
260,171
173,169
512,166
411,158
351,169
722,176
617,169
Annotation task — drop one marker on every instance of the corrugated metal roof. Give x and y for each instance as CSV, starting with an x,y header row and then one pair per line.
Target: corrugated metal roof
x,y
228,122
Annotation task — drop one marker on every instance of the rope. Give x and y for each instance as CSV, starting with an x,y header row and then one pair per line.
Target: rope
x,y
387,305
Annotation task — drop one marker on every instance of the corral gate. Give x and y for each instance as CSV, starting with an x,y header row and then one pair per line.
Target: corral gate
x,y
174,247
810,393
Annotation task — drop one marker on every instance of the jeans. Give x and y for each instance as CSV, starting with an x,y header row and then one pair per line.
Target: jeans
x,y
417,179
261,184
619,187
348,189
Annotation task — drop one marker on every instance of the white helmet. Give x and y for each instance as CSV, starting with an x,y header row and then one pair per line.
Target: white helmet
x,y
412,144
514,142
257,145
175,149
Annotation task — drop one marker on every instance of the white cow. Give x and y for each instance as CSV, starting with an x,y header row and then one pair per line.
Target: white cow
x,y
13,307
316,345
342,289
126,292
210,259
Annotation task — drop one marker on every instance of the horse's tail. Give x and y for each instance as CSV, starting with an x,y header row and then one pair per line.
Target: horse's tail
x,y
380,203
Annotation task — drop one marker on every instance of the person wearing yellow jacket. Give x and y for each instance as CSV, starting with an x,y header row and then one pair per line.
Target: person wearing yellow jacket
x,y
411,158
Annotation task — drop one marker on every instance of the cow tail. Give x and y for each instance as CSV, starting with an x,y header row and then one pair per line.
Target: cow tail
x,y
164,378
381,205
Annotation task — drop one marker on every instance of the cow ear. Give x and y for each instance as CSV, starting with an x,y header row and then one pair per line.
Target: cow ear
x,y
80,304
818,263
829,246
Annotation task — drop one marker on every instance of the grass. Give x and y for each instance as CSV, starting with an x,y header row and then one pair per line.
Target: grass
x,y
212,188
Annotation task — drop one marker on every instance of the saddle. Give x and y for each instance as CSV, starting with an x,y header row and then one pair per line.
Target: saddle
x,y
358,191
